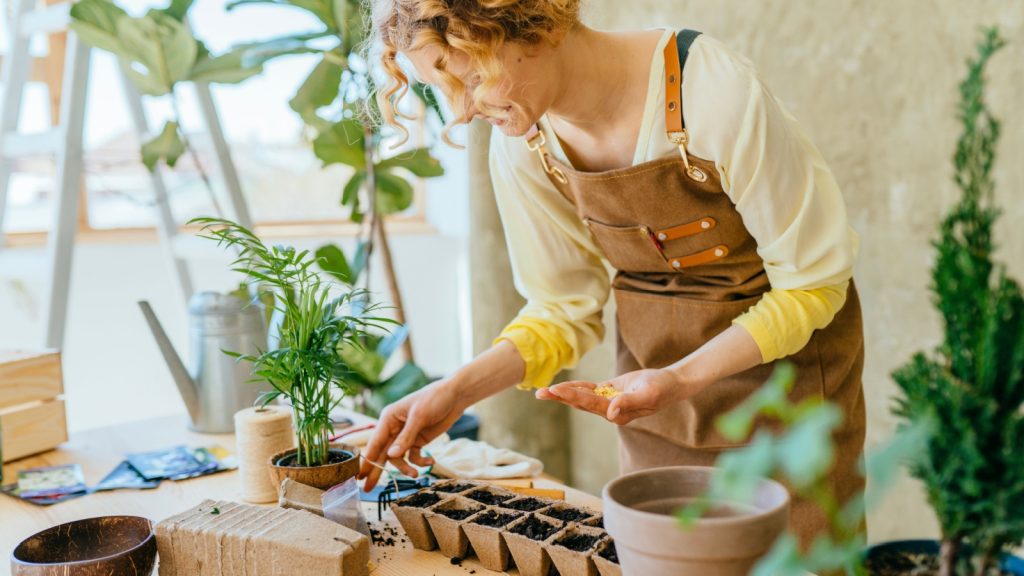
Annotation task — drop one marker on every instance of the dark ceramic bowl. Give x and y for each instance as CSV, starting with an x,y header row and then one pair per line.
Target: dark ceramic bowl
x,y
123,545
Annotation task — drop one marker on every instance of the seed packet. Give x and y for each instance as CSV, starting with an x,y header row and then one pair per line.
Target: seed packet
x,y
125,477
51,481
176,462
12,491
212,459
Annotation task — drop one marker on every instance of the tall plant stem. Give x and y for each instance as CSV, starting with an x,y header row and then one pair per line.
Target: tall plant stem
x,y
378,233
948,552
203,175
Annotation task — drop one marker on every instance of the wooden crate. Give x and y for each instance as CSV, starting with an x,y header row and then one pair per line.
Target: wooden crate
x,y
32,416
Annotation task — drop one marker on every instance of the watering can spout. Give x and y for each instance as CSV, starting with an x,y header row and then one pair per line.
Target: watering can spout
x,y
187,387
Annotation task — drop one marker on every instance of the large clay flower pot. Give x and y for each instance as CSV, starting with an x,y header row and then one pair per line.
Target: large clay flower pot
x,y
638,514
344,465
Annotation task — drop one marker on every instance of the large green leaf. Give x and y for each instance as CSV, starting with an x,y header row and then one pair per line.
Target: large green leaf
x,y
394,193
227,68
160,48
363,361
319,89
350,195
341,143
806,451
419,161
429,99
322,9
178,9
332,260
95,22
258,53
167,146
407,380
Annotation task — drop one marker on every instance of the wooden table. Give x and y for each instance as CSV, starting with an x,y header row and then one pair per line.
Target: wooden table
x,y
99,451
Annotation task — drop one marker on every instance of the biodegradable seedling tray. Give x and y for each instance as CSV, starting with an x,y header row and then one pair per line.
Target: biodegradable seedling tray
x,y
606,559
527,504
525,538
567,513
595,521
410,512
454,486
571,550
485,536
490,495
446,520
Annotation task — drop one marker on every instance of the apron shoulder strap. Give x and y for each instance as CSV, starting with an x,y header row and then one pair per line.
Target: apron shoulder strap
x,y
675,58
675,127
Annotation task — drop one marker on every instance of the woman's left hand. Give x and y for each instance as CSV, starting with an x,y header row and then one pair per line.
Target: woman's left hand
x,y
643,392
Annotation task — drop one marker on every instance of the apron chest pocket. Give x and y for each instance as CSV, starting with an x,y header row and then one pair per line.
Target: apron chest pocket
x,y
629,248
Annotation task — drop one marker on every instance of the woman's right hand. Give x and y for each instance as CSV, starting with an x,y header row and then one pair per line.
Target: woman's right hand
x,y
407,426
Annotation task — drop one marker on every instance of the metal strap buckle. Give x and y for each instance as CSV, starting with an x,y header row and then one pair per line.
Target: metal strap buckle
x,y
537,144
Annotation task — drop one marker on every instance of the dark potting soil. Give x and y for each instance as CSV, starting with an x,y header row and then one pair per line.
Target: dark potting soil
x,y
525,505
609,553
458,513
494,518
567,514
453,488
599,523
896,563
534,528
578,542
486,497
421,500
333,457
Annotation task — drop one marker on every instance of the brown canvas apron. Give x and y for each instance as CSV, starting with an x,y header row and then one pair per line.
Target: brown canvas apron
x,y
686,267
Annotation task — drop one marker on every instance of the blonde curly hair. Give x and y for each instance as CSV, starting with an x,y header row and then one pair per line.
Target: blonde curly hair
x,y
477,28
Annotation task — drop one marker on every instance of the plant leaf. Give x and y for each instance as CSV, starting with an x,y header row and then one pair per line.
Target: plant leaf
x,y
319,89
351,192
95,22
426,94
392,341
332,260
159,47
178,9
419,161
394,193
167,146
341,143
407,380
227,68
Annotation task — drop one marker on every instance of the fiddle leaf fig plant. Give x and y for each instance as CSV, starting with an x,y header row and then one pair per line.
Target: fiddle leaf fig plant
x,y
973,384
307,368
158,51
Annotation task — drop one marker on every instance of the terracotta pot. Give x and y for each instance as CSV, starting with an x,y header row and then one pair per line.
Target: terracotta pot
x,y
94,546
323,477
638,514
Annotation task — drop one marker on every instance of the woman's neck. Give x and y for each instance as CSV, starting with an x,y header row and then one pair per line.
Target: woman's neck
x,y
598,72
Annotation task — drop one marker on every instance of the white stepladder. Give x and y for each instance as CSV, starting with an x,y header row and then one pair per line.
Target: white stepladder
x,y
65,143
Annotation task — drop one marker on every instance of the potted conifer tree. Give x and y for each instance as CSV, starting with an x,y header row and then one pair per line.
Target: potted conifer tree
x,y
972,386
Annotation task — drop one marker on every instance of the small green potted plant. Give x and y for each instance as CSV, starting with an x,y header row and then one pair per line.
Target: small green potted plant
x,y
972,387
306,368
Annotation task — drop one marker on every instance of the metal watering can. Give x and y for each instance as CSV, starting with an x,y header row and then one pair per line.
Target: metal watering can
x,y
217,386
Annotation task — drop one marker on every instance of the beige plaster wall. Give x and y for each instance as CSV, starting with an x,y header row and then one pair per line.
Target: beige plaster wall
x,y
875,84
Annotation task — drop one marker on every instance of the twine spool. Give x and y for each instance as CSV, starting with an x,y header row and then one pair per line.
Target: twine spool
x,y
261,433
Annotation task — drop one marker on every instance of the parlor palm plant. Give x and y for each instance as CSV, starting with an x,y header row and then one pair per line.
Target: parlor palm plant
x,y
306,368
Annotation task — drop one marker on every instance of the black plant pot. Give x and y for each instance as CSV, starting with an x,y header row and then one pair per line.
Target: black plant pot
x,y
1011,564
467,426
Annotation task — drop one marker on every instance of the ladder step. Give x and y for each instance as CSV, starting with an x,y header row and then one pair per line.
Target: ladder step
x,y
35,144
51,19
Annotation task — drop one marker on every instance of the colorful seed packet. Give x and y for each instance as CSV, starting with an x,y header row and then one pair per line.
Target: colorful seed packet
x,y
124,477
176,462
51,481
12,491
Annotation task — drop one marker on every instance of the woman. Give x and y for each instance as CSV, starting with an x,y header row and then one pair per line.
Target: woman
x,y
664,155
